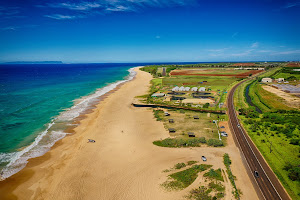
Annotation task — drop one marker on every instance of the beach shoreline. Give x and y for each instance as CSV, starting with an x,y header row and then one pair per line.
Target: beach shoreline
x,y
122,163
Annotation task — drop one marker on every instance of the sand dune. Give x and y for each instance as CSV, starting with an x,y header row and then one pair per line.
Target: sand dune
x,y
122,164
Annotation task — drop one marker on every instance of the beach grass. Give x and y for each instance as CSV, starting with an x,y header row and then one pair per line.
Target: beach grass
x,y
214,174
182,179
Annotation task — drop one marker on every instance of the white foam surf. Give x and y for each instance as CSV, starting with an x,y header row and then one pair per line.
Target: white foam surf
x,y
16,161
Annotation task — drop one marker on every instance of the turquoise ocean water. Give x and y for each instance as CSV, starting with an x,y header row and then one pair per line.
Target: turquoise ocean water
x,y
39,101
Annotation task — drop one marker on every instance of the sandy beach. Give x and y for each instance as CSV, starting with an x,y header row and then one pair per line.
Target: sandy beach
x,y
122,164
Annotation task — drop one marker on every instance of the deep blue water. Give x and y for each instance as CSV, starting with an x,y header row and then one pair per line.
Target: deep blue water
x,y
38,101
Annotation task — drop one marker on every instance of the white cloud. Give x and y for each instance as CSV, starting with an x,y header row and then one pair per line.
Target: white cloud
x,y
119,8
108,6
287,52
59,16
290,5
255,45
76,6
264,51
10,28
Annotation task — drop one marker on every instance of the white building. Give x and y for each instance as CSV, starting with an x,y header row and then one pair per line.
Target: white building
x,y
181,88
158,95
194,89
187,88
280,79
266,80
175,89
202,89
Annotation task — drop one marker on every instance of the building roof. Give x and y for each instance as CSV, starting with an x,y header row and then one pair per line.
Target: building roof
x,y
194,89
175,88
158,95
202,89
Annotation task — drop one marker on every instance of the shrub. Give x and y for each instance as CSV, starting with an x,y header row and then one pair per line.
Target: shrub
x,y
216,174
180,165
215,143
191,162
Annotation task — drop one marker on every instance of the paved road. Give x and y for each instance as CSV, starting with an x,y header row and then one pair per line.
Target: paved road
x,y
267,182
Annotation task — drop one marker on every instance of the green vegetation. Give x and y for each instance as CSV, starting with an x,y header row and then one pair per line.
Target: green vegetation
x,y
239,96
188,142
215,143
180,142
184,122
214,174
264,100
183,179
191,162
276,131
157,114
227,163
179,165
203,193
277,136
156,70
287,73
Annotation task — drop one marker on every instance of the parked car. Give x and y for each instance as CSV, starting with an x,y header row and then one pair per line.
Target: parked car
x,y
256,174
203,158
224,134
222,127
239,126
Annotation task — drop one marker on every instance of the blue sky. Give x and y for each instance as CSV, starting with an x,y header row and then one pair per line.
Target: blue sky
x,y
149,30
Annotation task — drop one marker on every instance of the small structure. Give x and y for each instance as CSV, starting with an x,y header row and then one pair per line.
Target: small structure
x,y
202,89
187,89
266,80
172,130
194,89
167,114
280,79
158,95
196,117
177,98
175,89
191,134
224,134
182,88
171,120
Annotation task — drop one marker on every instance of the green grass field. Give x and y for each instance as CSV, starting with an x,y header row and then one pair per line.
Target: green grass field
x,y
229,71
282,153
239,96
184,123
262,134
286,75
182,179
214,83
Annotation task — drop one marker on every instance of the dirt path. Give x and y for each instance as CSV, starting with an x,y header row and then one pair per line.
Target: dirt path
x,y
290,100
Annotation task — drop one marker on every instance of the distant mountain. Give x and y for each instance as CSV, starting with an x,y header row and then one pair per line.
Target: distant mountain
x,y
35,62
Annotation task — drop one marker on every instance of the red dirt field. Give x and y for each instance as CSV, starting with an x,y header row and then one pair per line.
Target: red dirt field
x,y
293,65
241,75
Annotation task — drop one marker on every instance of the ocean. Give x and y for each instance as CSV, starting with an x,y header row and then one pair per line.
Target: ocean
x,y
38,102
